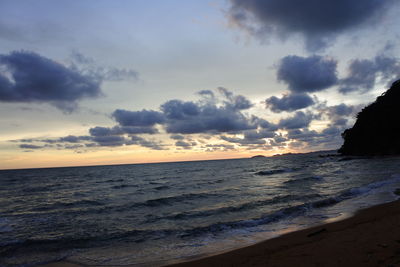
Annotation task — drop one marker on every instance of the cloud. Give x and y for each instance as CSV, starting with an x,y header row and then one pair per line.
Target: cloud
x,y
218,147
251,137
318,22
208,115
87,65
28,77
363,74
184,144
137,140
177,137
236,102
69,139
138,118
214,117
280,139
211,115
120,130
210,119
178,110
299,120
208,93
328,138
307,74
243,141
264,124
289,102
341,110
338,115
116,136
111,140
29,146
259,134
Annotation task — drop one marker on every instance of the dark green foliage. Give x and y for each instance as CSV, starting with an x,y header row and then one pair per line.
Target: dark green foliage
x,y
377,129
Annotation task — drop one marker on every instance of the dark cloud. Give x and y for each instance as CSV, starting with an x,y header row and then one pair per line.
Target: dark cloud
x,y
120,130
206,93
289,102
218,147
137,140
363,74
138,118
215,116
329,138
338,115
29,77
210,119
208,115
307,74
304,135
135,129
341,110
264,124
178,110
184,144
116,136
236,102
251,137
68,139
101,131
280,139
332,130
110,140
319,22
177,137
258,134
76,146
299,120
340,122
243,141
81,59
29,146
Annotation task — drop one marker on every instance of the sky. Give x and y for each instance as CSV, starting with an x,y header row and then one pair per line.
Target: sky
x,y
115,82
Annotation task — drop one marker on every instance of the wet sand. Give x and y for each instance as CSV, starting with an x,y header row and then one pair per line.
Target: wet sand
x,y
369,238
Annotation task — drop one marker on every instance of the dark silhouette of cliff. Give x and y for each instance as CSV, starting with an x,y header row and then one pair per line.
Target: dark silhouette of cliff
x,y
377,128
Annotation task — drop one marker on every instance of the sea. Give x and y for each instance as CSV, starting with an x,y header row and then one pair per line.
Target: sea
x,y
162,213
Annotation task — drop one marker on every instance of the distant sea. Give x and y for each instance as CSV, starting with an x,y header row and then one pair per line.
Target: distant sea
x,y
152,214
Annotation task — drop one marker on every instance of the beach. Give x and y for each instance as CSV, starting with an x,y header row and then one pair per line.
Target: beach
x,y
369,238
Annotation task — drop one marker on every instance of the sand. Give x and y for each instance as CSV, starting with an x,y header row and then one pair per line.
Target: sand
x,y
369,238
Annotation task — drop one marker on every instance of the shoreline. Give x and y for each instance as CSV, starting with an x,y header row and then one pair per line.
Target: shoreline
x,y
370,237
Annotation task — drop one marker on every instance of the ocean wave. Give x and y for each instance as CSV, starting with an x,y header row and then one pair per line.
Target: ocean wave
x,y
243,207
177,198
73,204
5,226
306,179
123,186
272,172
162,187
88,240
293,211
111,181
311,202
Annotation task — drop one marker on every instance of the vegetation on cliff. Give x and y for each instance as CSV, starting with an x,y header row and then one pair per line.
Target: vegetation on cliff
x,y
377,128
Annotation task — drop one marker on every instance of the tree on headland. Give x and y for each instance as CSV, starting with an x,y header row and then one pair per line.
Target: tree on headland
x,y
377,128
